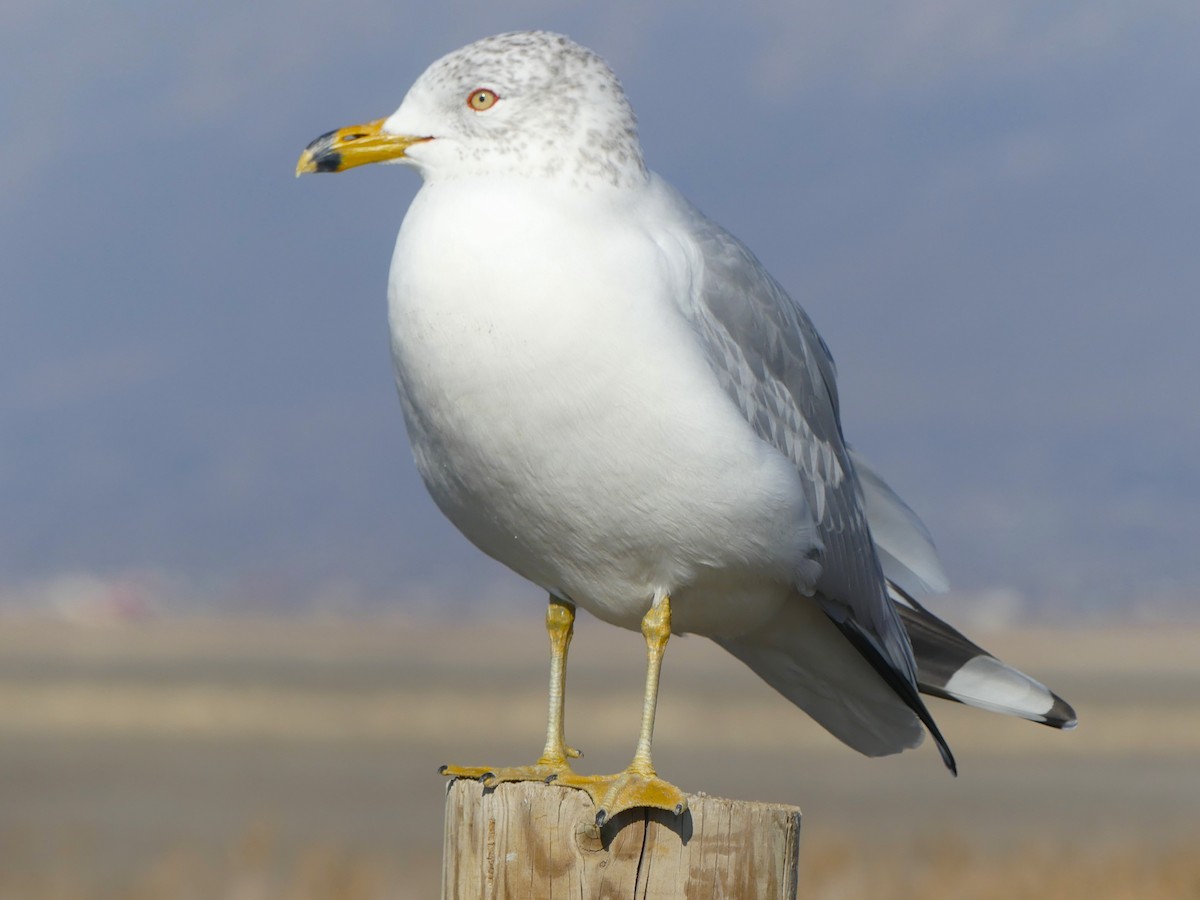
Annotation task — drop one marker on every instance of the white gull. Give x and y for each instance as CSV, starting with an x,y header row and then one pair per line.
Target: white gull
x,y
608,393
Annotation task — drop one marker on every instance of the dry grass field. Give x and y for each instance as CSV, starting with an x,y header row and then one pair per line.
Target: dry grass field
x,y
262,760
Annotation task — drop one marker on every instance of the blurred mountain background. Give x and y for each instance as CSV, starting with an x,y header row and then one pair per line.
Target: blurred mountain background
x,y
989,212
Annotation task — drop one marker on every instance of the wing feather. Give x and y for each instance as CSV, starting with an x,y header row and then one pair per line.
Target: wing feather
x,y
770,360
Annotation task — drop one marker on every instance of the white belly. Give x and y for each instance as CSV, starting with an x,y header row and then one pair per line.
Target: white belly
x,y
567,425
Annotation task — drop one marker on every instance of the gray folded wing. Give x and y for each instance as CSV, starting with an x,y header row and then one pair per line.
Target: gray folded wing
x,y
770,360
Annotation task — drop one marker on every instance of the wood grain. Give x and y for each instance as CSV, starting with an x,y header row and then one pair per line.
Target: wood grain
x,y
532,840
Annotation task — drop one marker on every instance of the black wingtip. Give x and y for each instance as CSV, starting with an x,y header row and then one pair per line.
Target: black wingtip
x,y
1061,715
925,717
942,651
943,747
902,686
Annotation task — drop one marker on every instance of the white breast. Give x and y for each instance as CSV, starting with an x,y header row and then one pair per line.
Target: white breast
x,y
566,423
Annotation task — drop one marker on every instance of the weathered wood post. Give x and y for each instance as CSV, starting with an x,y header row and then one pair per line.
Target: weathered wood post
x,y
532,840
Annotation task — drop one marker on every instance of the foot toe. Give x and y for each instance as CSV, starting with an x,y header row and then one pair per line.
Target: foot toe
x,y
614,794
491,776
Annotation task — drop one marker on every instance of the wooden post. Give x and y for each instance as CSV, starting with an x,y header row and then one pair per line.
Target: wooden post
x,y
533,840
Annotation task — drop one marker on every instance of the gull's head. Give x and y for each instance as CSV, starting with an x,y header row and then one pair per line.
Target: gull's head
x,y
529,103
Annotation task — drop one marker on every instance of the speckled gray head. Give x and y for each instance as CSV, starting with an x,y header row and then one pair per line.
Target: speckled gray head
x,y
527,103
558,111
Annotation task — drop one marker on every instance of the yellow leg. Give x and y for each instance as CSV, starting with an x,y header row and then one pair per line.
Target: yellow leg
x,y
656,627
638,785
560,625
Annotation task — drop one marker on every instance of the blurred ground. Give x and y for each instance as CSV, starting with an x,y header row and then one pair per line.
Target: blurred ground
x,y
256,759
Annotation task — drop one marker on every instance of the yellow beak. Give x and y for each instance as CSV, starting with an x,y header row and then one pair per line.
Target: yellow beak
x,y
356,145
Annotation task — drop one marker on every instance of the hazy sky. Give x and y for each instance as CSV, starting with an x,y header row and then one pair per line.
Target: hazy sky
x,y
992,213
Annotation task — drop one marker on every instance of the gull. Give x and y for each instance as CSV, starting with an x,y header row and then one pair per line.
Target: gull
x,y
607,392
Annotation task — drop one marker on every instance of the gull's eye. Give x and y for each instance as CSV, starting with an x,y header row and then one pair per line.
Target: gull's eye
x,y
481,99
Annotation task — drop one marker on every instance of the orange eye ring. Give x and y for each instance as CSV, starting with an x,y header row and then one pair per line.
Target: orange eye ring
x,y
481,99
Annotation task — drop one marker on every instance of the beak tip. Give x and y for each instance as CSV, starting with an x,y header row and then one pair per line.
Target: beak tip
x,y
307,163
